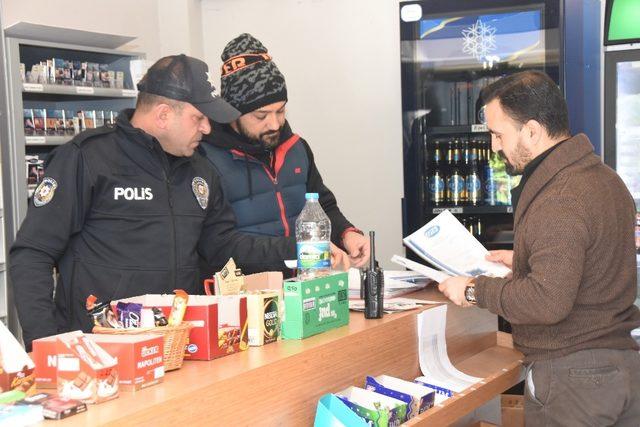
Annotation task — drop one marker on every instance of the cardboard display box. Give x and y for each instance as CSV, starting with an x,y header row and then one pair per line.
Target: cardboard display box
x,y
219,323
315,306
140,359
264,317
16,367
85,371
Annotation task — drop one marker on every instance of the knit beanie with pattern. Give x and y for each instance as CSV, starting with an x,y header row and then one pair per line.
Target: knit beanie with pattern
x,y
249,77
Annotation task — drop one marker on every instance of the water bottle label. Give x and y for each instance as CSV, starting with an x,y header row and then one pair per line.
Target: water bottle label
x,y
436,185
314,255
456,184
473,184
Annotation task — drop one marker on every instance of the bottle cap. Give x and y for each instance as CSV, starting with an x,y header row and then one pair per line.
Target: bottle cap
x,y
308,196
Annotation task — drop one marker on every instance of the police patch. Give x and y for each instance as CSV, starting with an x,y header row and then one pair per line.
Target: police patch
x,y
201,191
44,192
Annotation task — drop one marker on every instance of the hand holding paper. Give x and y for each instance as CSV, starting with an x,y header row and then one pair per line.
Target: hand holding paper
x,y
445,243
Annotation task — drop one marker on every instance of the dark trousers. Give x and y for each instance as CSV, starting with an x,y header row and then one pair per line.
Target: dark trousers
x,y
597,387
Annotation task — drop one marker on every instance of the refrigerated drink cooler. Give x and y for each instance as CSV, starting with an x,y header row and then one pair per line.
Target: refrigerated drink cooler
x,y
449,53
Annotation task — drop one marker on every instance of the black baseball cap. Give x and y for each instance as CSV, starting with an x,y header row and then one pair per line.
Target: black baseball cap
x,y
186,79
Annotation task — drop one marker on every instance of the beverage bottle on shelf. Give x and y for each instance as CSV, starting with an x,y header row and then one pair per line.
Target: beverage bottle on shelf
x,y
455,187
490,186
313,237
436,184
474,180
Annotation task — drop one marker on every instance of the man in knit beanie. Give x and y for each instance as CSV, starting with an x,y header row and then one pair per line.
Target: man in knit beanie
x,y
265,168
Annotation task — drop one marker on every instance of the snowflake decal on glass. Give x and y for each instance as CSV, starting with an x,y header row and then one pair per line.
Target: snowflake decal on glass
x,y
479,40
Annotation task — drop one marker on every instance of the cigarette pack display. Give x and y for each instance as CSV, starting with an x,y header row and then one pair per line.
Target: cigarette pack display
x,y
99,118
50,71
88,119
78,73
219,323
50,123
39,121
418,397
119,79
23,72
85,371
315,306
71,123
58,66
29,126
68,73
104,75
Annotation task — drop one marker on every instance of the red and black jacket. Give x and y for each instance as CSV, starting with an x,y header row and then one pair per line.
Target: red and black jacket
x,y
266,188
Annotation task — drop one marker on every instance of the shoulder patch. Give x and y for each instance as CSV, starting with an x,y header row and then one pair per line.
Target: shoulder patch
x,y
44,193
200,189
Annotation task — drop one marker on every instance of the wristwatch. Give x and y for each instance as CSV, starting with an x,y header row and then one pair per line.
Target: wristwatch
x,y
470,293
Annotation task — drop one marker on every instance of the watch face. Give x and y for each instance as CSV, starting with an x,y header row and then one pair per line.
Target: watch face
x,y
470,294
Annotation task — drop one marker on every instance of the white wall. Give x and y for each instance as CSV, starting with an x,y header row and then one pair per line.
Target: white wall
x,y
341,61
161,27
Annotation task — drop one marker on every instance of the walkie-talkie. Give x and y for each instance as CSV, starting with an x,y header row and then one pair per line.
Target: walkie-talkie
x,y
373,285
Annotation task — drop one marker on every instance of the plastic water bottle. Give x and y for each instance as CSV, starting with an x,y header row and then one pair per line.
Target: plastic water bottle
x,y
313,237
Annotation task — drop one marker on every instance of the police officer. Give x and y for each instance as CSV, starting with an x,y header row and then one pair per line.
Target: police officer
x,y
125,210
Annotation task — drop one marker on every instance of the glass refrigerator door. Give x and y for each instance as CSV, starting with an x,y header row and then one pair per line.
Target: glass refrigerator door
x,y
627,125
622,126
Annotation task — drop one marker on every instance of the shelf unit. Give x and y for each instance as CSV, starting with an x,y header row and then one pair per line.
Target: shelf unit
x,y
54,97
27,95
5,295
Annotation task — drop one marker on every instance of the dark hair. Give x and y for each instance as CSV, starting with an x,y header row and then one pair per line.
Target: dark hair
x,y
531,95
148,100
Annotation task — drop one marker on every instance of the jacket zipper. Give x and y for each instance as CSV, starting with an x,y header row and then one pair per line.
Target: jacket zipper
x,y
174,250
283,214
283,211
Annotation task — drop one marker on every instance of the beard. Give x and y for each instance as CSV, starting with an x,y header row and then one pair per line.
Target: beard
x,y
269,140
521,157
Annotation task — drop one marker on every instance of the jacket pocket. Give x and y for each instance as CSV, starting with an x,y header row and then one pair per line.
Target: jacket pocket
x,y
593,377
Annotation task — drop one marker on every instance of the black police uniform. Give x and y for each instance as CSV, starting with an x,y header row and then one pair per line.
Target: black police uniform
x,y
119,218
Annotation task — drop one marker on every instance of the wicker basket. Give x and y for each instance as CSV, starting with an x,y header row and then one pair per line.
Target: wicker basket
x,y
175,339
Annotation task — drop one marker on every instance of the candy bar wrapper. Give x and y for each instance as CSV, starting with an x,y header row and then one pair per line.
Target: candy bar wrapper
x,y
101,313
178,307
418,397
129,314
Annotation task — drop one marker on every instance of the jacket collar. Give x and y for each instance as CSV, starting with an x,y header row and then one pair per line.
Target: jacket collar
x,y
144,149
571,151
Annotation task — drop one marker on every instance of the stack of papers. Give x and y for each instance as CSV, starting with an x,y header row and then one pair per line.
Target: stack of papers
x,y
396,283
447,245
437,370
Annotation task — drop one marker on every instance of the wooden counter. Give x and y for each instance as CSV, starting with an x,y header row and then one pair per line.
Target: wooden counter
x,y
280,384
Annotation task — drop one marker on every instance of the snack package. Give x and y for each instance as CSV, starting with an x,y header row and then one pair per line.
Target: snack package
x,y
418,397
16,367
85,371
101,313
178,307
228,281
129,314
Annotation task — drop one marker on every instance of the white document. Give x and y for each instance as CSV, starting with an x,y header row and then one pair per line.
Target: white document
x,y
447,244
432,347
429,272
